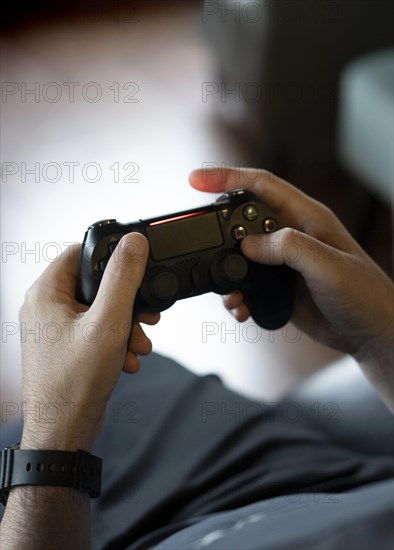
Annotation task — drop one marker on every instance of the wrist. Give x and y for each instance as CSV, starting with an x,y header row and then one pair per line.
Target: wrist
x,y
375,358
60,425
56,438
377,350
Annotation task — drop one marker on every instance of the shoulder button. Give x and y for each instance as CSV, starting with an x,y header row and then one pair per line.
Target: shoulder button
x,y
101,223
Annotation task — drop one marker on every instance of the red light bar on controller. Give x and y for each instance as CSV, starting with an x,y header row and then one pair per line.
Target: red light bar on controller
x,y
182,217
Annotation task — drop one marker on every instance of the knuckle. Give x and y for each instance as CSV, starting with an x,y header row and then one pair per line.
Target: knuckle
x,y
322,221
266,174
324,212
289,235
35,302
262,177
327,214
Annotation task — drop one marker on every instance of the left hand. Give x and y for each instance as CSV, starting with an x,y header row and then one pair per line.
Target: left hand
x,y
72,363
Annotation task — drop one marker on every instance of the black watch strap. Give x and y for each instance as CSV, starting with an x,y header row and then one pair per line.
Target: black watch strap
x,y
79,470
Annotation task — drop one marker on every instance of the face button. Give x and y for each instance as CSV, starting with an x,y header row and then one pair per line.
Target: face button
x,y
250,212
238,232
269,225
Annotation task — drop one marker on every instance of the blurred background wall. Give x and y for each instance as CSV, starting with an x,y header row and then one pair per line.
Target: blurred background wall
x,y
107,107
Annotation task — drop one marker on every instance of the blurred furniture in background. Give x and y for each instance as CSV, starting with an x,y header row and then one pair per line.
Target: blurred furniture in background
x,y
279,69
307,89
366,119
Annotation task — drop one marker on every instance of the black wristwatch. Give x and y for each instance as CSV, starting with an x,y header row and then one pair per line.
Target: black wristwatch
x,y
79,470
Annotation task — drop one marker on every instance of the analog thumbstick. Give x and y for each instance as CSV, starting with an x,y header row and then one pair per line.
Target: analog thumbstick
x,y
233,268
164,285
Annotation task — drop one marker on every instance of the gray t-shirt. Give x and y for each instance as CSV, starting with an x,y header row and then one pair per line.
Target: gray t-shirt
x,y
355,520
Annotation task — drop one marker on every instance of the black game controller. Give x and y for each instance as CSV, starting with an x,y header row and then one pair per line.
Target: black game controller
x,y
194,252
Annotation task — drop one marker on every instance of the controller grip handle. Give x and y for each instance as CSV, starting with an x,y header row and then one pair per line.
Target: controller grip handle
x,y
269,294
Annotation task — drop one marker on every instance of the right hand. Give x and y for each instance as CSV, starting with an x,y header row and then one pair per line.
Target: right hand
x,y
346,300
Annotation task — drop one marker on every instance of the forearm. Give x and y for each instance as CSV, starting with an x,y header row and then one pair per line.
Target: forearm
x,y
41,518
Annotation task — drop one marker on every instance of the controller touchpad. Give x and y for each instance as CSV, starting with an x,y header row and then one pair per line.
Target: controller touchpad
x,y
184,235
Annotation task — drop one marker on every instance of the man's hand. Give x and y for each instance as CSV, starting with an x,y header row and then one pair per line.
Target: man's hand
x,y
70,374
74,369
345,301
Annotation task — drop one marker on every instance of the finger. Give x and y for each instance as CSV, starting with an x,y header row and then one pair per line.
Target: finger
x,y
313,259
292,206
139,343
147,318
241,313
131,363
121,280
233,300
268,187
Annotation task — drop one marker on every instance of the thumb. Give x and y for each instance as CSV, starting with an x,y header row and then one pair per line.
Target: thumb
x,y
122,279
